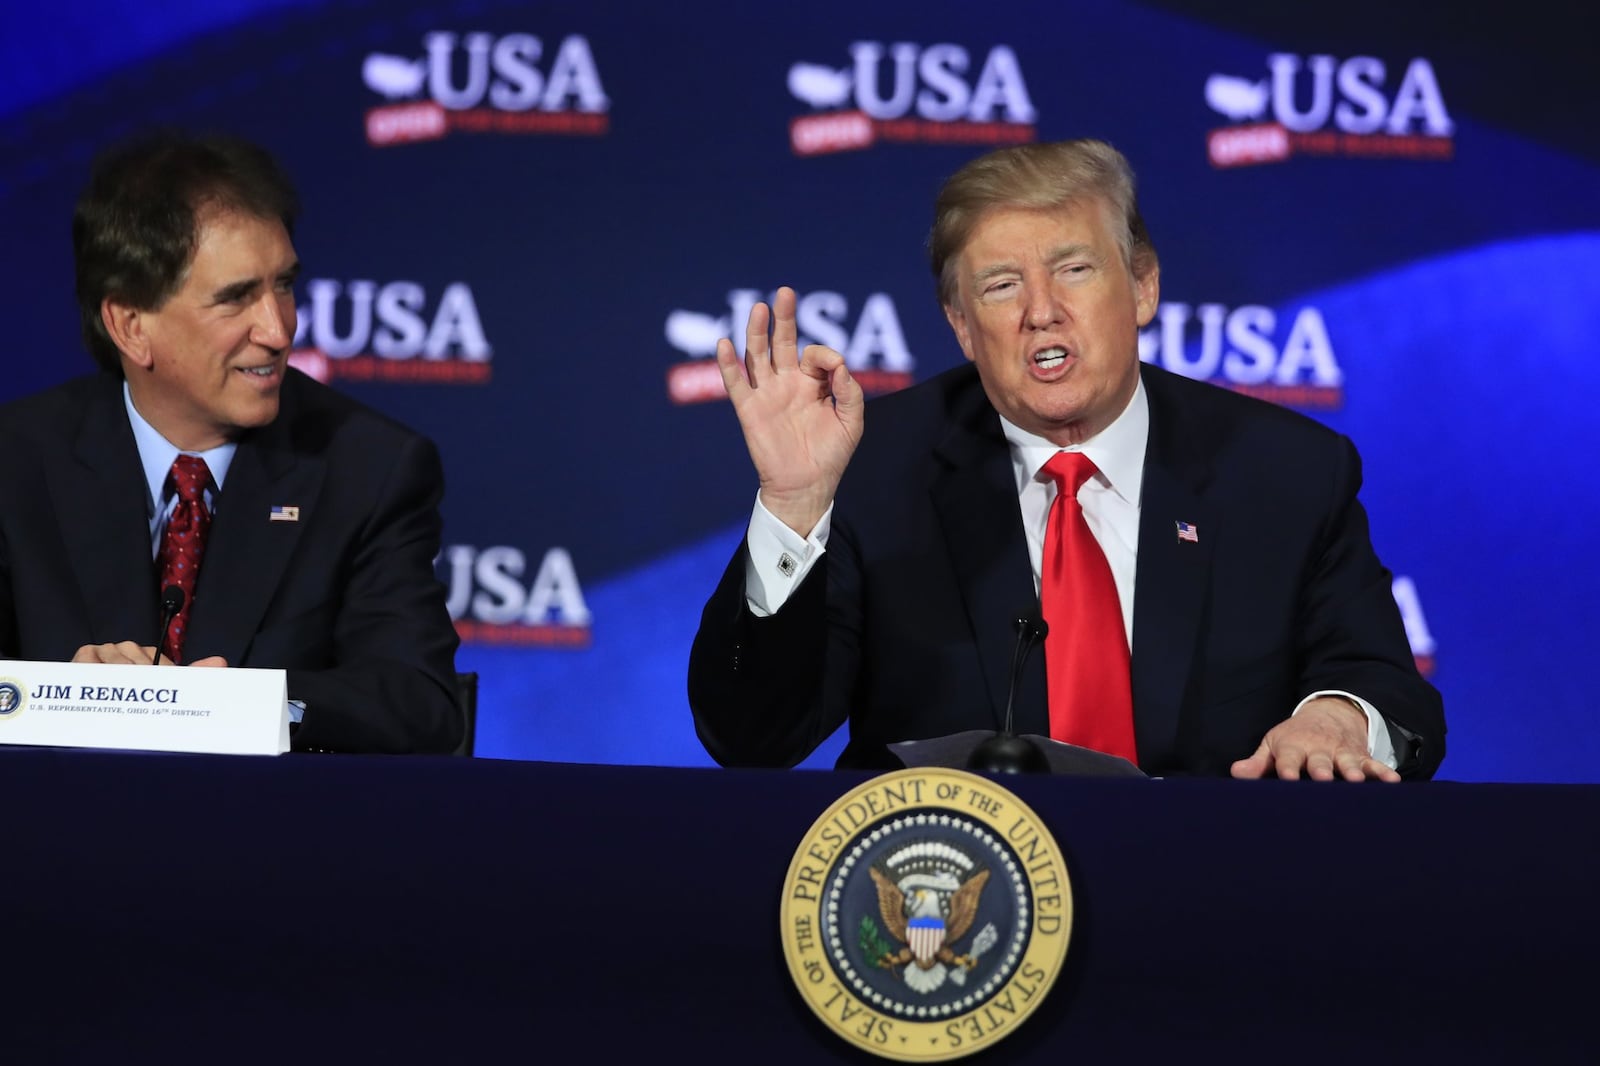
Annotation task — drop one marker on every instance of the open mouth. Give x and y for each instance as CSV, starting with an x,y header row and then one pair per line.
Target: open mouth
x,y
1049,358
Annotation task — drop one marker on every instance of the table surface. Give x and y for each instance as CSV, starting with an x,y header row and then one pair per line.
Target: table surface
x,y
366,909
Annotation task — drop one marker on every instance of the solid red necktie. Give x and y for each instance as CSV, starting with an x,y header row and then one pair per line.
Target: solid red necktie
x,y
1086,649
183,544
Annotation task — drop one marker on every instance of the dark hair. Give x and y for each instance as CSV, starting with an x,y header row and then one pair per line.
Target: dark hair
x,y
138,221
1037,176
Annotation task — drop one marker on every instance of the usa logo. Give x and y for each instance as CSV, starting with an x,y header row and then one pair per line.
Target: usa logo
x,y
1325,106
478,83
905,93
870,339
926,915
363,331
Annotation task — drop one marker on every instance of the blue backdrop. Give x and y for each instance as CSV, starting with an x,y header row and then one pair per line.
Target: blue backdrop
x,y
526,224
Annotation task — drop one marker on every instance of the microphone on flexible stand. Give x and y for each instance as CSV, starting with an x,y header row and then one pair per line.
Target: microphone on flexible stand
x,y
1005,752
172,598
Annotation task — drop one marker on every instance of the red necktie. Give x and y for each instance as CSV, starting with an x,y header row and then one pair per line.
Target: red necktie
x,y
183,544
1086,650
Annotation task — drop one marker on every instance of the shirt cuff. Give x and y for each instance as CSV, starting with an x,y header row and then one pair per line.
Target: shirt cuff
x,y
1379,746
778,558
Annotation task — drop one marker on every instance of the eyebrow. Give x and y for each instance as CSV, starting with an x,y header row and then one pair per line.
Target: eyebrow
x,y
240,289
993,271
1077,250
1066,251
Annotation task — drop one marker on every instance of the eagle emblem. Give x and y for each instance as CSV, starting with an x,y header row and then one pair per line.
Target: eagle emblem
x,y
928,896
925,914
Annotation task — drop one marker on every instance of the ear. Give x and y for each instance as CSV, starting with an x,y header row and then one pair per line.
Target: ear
x,y
127,327
958,323
1147,294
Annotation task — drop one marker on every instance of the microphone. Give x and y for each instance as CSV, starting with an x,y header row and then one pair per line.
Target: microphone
x,y
1006,753
172,598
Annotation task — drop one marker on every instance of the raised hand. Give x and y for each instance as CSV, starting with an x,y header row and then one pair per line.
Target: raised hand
x,y
801,413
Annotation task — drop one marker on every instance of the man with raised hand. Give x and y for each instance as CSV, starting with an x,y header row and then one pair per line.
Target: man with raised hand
x,y
1213,599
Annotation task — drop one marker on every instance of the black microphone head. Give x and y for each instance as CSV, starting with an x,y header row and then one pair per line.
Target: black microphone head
x,y
1031,624
172,598
1005,753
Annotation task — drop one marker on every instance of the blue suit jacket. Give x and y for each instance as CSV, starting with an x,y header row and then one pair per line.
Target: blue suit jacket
x,y
903,628
345,599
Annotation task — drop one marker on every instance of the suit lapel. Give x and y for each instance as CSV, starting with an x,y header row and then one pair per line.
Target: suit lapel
x,y
975,497
247,552
1173,574
100,498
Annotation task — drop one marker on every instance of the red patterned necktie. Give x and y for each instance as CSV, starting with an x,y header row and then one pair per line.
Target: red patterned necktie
x,y
183,544
1086,650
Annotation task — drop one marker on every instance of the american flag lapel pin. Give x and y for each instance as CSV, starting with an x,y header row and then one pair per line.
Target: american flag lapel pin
x,y
284,514
1189,531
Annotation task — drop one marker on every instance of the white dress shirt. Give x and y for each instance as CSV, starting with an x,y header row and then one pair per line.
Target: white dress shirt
x,y
156,455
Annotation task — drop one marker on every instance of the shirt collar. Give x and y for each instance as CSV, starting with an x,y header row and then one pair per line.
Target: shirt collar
x,y
1118,450
156,453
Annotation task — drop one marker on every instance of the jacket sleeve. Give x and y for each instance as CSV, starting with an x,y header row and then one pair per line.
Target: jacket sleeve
x,y
391,685
1351,634
758,686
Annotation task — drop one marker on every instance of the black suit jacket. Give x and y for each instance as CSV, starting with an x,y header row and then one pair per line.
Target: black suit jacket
x,y
345,599
904,626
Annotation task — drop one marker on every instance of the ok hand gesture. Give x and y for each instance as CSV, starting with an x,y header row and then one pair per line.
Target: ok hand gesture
x,y
801,413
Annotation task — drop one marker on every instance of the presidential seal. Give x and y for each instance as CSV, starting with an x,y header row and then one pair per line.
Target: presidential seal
x,y
13,697
926,914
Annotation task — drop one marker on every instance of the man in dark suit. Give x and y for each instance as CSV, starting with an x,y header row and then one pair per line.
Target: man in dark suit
x,y
320,516
1264,638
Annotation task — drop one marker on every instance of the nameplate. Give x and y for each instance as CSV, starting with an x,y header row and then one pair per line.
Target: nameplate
x,y
144,708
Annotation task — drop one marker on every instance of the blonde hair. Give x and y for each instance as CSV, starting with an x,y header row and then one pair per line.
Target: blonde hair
x,y
1037,176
